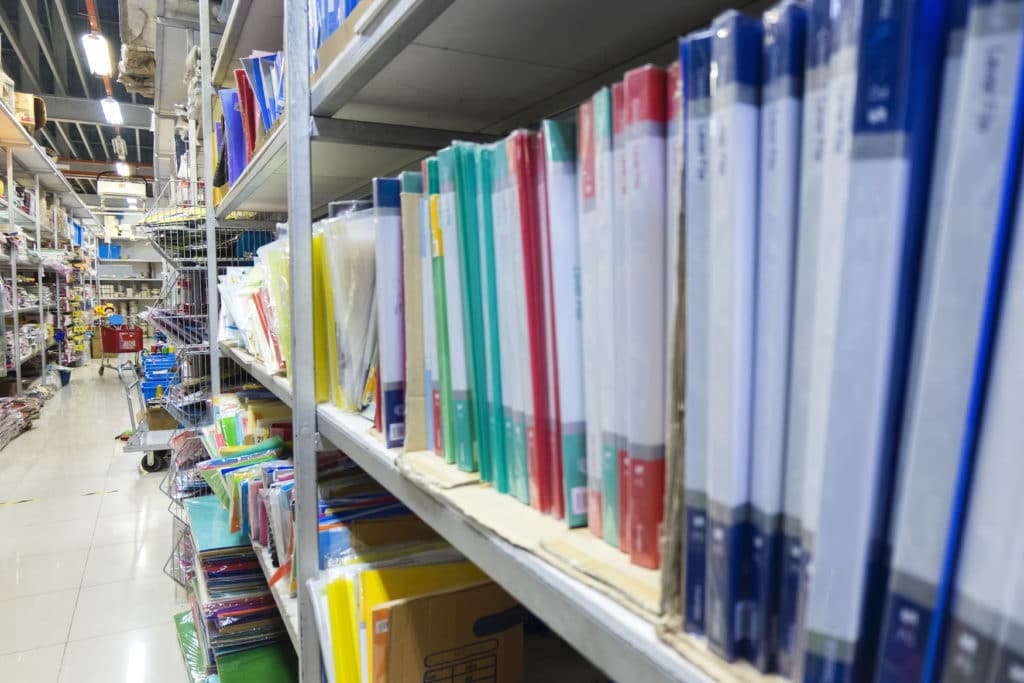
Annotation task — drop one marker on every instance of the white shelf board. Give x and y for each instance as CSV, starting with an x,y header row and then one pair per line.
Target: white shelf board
x,y
30,160
621,643
276,384
464,64
615,639
340,169
251,25
129,260
286,604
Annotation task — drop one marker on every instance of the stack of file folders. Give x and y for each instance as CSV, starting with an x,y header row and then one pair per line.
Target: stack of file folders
x,y
232,605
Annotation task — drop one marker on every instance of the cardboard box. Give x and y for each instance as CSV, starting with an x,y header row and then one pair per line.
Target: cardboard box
x,y
157,418
25,110
7,90
97,342
473,633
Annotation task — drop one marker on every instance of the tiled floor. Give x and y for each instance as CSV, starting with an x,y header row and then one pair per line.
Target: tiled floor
x,y
83,597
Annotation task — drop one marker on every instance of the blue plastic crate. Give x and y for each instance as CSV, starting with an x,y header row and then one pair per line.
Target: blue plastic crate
x,y
110,251
149,387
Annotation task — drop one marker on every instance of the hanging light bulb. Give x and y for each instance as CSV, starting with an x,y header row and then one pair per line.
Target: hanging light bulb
x,y
122,169
97,53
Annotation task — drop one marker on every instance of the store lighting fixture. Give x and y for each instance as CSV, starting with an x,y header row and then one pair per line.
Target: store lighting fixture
x,y
133,202
122,169
111,111
97,53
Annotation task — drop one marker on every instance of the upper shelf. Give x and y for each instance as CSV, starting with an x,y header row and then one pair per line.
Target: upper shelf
x,y
490,65
403,78
252,25
31,160
345,156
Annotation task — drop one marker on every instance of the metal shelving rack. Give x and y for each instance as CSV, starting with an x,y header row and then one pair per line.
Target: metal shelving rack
x,y
357,118
22,152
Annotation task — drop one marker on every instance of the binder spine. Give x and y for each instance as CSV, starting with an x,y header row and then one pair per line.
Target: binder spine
x,y
489,309
458,354
812,153
695,55
645,280
514,338
447,413
735,68
431,371
390,311
614,447
563,231
543,250
950,299
466,191
782,93
589,227
892,128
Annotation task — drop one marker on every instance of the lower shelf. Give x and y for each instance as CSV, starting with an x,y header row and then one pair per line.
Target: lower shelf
x,y
286,604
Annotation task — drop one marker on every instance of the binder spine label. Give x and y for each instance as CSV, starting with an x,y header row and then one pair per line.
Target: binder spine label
x,y
447,413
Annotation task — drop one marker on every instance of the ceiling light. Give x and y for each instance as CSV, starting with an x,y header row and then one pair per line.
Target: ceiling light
x,y
122,169
112,111
97,52
133,202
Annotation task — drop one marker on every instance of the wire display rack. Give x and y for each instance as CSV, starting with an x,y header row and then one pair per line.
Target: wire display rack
x,y
182,313
183,481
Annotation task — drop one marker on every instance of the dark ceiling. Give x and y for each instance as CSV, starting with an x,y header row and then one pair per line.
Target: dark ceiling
x,y
87,141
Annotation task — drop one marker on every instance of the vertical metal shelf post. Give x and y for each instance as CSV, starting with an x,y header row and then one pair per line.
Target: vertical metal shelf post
x,y
212,293
15,306
300,241
39,279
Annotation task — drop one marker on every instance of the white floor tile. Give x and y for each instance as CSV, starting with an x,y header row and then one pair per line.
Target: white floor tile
x,y
36,621
32,666
126,561
47,510
142,499
147,655
35,574
136,527
47,537
113,607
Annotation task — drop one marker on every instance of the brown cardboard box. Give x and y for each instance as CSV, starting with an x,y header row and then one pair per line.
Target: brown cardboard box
x,y
25,110
158,418
97,342
467,634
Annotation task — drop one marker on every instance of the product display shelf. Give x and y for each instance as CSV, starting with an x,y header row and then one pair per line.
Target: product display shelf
x,y
615,638
20,216
251,25
346,155
130,260
30,159
278,385
286,603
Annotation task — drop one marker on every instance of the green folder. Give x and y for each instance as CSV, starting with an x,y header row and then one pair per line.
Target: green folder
x,y
271,664
459,355
433,183
468,197
190,648
496,425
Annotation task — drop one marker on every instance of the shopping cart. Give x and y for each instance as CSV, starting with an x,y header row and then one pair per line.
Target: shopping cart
x,y
119,337
154,444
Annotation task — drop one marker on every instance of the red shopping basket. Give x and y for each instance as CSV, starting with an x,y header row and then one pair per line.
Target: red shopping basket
x,y
121,339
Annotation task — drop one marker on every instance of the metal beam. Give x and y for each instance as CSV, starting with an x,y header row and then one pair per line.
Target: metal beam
x,y
33,22
85,140
65,22
83,166
28,72
82,110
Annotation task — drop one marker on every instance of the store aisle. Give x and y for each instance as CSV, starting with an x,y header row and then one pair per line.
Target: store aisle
x,y
82,592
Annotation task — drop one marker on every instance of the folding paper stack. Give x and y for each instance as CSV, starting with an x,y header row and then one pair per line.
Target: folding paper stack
x,y
232,604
